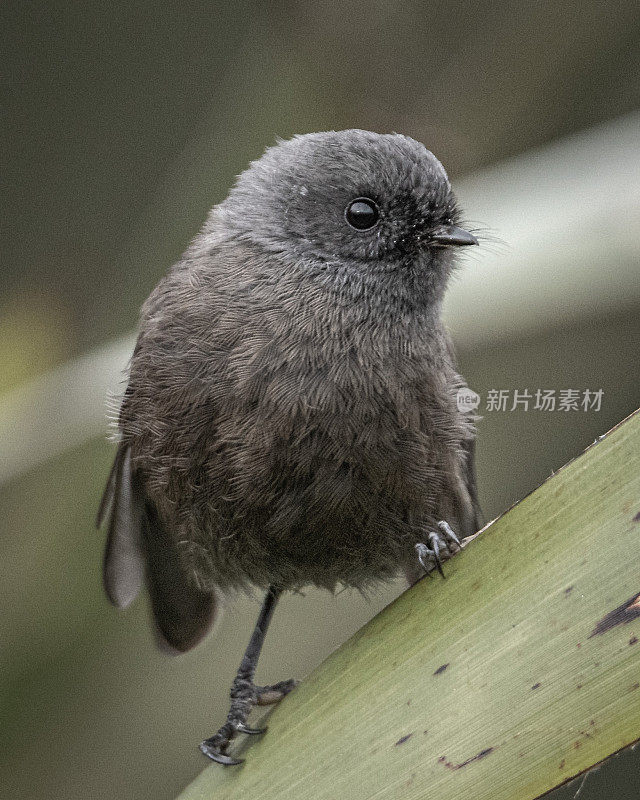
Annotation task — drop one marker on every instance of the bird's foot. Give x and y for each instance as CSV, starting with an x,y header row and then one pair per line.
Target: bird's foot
x,y
268,695
244,696
442,546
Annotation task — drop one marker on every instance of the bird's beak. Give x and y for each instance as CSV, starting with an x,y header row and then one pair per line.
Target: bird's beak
x,y
451,235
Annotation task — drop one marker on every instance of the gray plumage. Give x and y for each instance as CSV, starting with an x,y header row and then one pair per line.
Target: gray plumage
x,y
291,417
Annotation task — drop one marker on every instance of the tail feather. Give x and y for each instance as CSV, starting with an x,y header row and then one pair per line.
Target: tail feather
x,y
139,547
183,613
123,569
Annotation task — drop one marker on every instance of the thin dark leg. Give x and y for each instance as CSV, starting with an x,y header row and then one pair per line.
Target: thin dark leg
x,y
244,693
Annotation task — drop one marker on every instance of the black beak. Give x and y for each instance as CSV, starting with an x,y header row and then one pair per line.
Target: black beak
x,y
452,236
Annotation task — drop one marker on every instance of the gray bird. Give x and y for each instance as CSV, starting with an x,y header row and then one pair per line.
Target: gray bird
x,y
290,416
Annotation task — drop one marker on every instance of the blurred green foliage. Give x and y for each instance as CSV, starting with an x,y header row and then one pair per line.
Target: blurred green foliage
x,y
124,124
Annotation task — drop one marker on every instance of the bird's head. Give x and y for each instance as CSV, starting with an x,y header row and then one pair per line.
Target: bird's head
x,y
353,206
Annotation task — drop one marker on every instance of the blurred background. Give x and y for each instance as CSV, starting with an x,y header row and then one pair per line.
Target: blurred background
x,y
124,122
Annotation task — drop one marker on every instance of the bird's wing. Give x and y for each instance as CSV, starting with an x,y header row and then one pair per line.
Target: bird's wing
x,y
139,547
473,516
464,501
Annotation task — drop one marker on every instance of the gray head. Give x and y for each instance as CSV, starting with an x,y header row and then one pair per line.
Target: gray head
x,y
356,205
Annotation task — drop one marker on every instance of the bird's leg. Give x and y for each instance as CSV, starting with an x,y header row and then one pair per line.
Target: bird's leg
x,y
441,545
244,693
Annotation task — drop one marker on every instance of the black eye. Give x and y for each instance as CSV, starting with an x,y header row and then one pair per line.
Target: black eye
x,y
362,213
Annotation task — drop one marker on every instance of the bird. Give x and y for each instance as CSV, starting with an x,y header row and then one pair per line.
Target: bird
x,y
290,416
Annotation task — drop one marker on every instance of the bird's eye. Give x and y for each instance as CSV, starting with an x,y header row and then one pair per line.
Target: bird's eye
x,y
362,213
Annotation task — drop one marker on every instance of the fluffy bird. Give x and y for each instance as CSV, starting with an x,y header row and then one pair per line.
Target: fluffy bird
x,y
290,417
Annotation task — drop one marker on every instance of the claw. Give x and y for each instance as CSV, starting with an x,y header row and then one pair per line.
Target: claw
x,y
435,544
242,727
244,695
421,551
448,532
215,754
424,553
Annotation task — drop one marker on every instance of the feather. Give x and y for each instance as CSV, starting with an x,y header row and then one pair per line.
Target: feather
x,y
139,545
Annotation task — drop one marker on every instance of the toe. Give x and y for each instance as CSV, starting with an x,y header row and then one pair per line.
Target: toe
x,y
424,554
214,752
448,532
242,727
268,695
434,541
